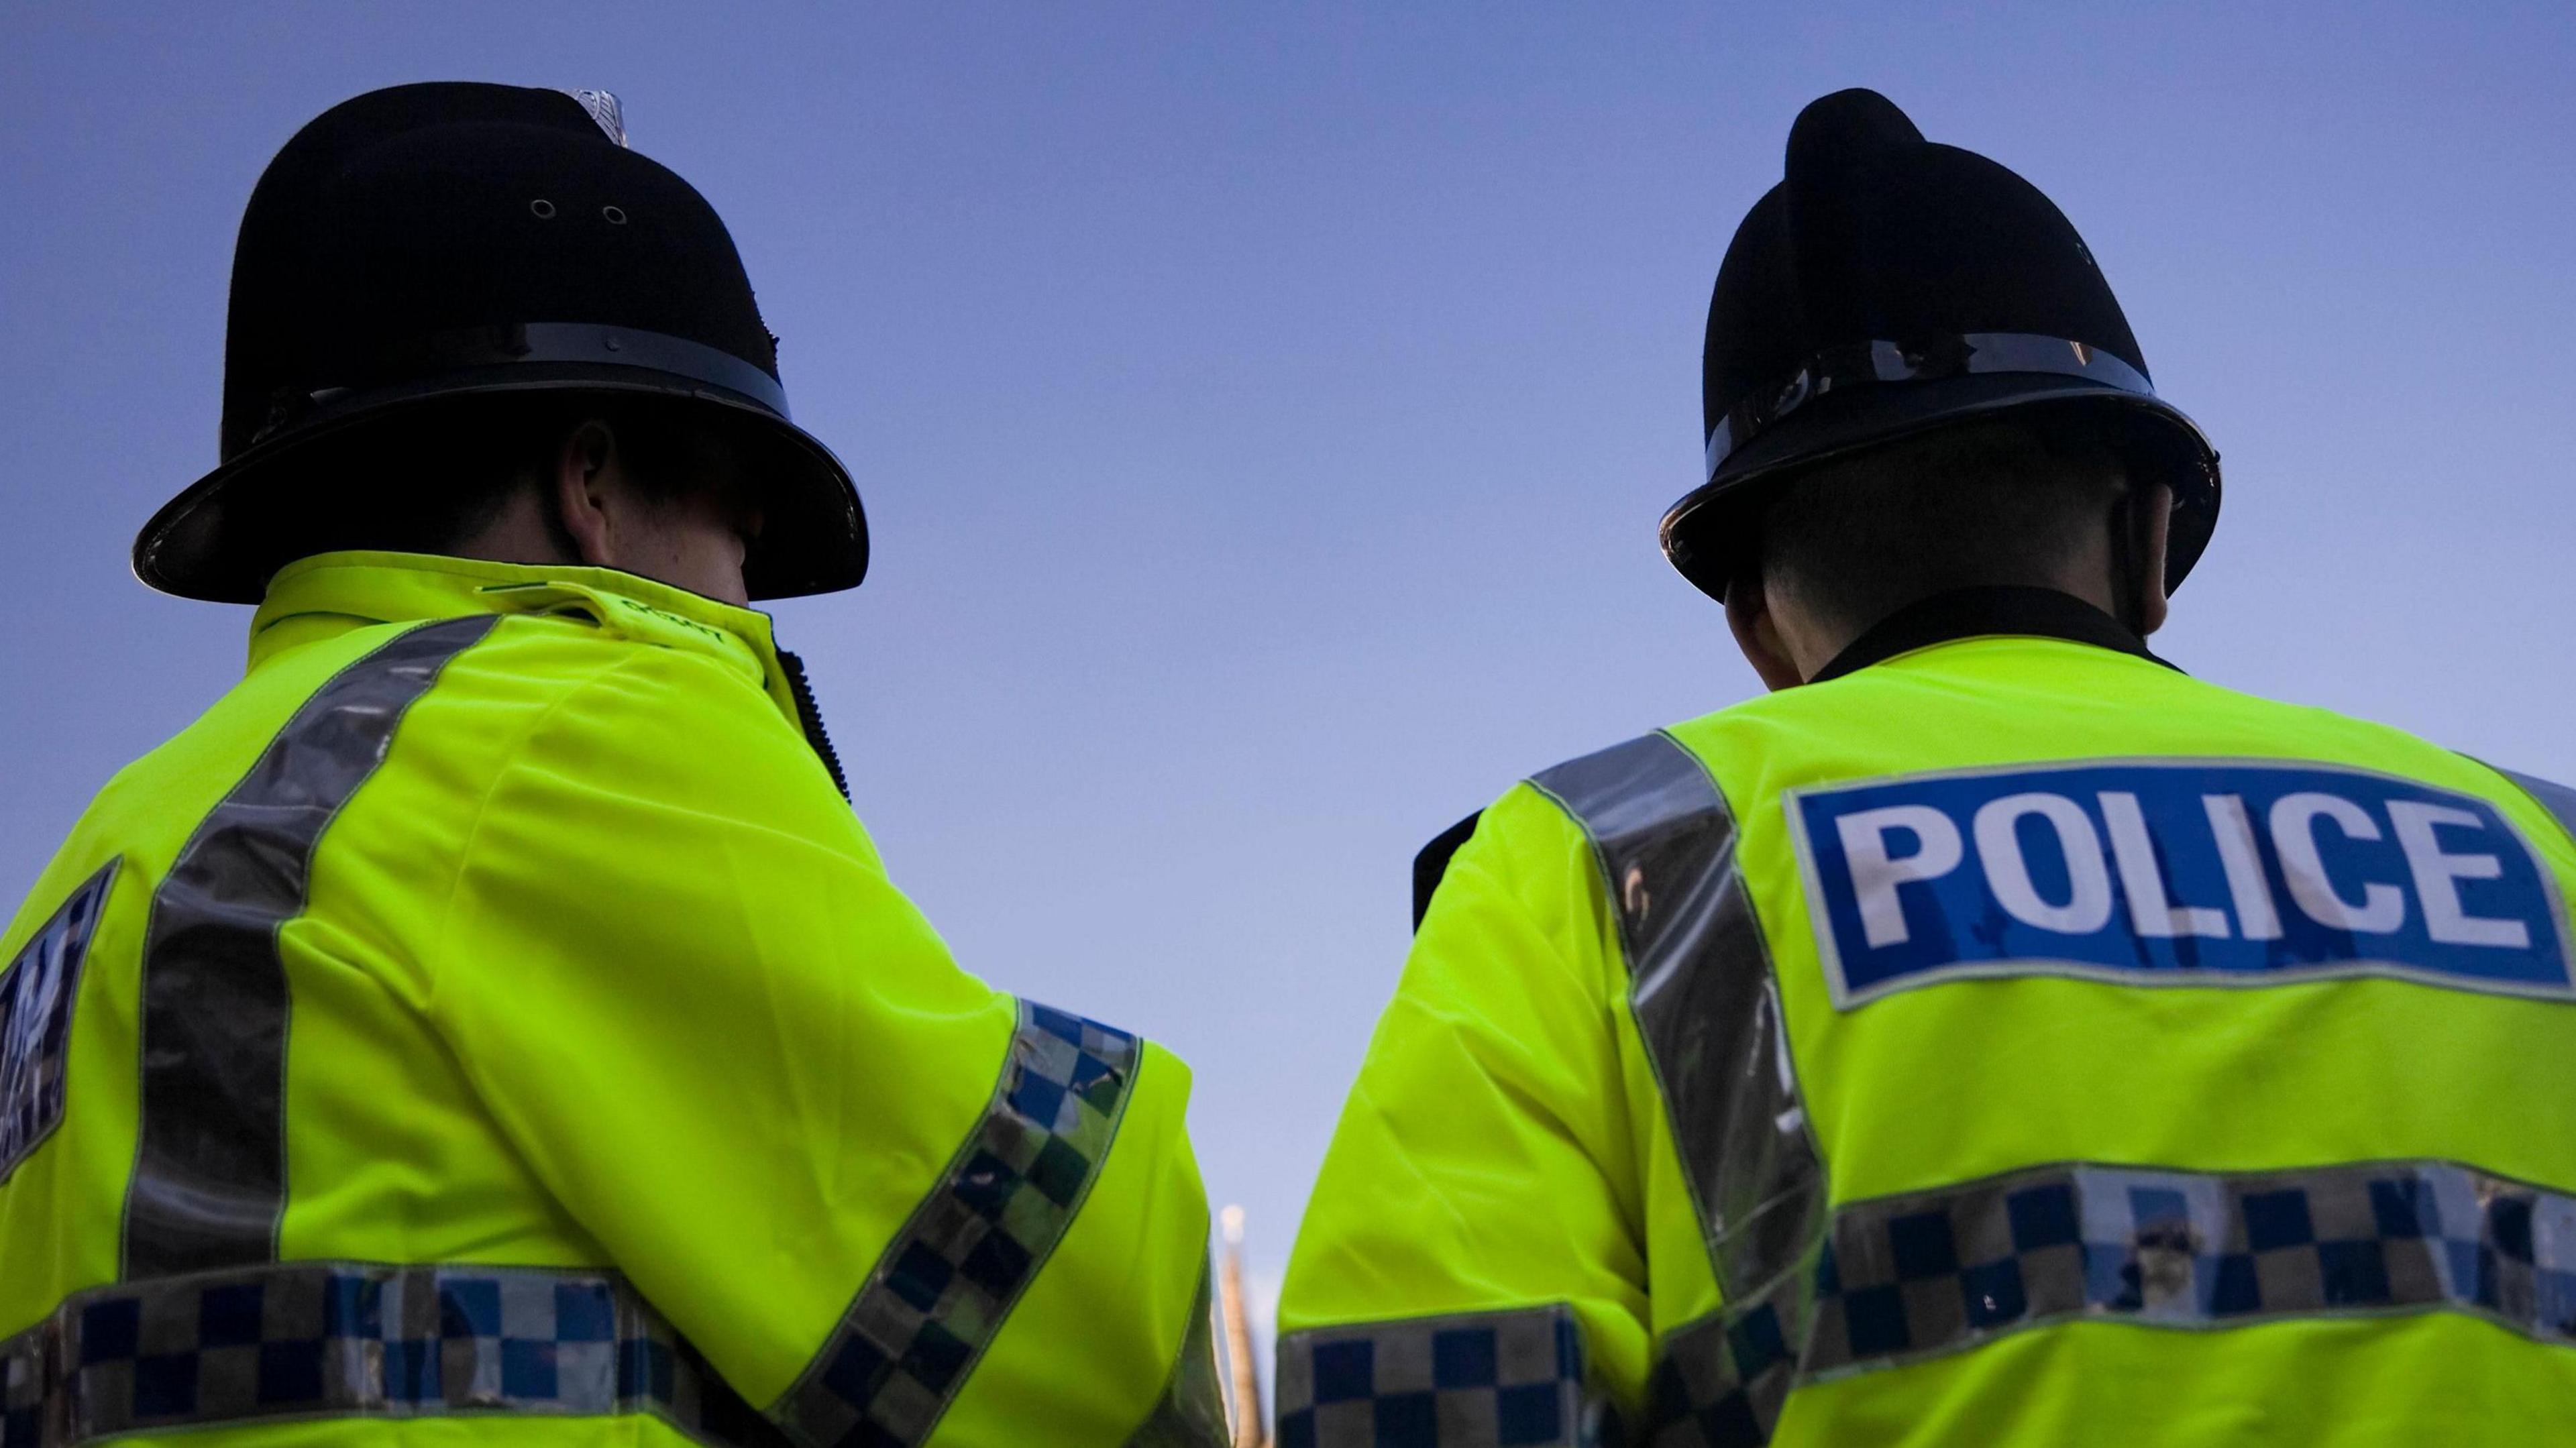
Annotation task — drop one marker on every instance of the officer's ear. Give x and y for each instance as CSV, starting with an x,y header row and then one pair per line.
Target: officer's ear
x,y
2143,524
585,491
1757,632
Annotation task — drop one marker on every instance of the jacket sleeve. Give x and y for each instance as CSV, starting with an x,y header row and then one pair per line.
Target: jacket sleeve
x,y
1476,1223
869,1189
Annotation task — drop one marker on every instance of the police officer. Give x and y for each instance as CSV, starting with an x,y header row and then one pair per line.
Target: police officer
x,y
490,1009
1992,1036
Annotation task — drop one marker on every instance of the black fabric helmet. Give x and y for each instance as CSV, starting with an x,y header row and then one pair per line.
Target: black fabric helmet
x,y
1890,286
415,253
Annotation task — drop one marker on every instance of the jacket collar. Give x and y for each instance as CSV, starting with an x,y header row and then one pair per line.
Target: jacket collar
x,y
1978,612
329,594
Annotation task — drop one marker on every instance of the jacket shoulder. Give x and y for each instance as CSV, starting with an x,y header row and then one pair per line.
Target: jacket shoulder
x,y
1431,862
595,710
1579,803
647,712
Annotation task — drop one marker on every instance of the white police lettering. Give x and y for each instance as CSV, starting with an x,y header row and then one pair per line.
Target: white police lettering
x,y
2438,874
2116,871
2088,885
1875,875
2294,833
2241,857
2133,849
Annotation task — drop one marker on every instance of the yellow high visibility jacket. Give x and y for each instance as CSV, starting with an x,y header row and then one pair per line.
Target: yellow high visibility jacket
x,y
489,1010
2006,1040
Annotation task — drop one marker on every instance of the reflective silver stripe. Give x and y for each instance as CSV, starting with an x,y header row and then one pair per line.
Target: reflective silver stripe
x,y
1861,364
357,1340
1474,1380
1702,993
947,1280
210,1161
2558,799
1191,1413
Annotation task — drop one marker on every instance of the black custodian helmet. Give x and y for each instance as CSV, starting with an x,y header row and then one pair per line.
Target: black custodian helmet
x,y
1889,286
430,247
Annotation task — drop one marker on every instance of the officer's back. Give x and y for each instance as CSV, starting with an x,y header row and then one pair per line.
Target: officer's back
x,y
1994,1034
489,1016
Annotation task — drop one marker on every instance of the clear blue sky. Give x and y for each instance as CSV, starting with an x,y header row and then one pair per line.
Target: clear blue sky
x,y
1264,411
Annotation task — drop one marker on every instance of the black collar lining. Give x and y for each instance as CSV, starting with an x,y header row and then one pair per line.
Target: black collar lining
x,y
1979,612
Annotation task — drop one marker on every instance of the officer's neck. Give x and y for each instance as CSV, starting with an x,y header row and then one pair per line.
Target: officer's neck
x,y
2118,576
1813,642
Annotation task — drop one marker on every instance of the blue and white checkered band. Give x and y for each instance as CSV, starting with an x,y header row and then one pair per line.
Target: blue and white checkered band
x,y
945,1283
1862,364
1923,1273
2172,872
1933,1272
1477,1380
304,1340
36,995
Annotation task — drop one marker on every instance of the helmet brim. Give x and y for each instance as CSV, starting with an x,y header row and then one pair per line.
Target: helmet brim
x,y
1712,534
204,543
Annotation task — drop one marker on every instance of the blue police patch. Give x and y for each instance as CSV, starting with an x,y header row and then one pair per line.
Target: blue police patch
x,y
36,994
2198,872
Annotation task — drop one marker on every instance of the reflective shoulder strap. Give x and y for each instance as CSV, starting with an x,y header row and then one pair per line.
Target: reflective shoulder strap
x,y
2558,799
209,1184
1707,1008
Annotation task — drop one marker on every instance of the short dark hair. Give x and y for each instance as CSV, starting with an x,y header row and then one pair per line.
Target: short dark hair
x,y
429,482
2004,501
